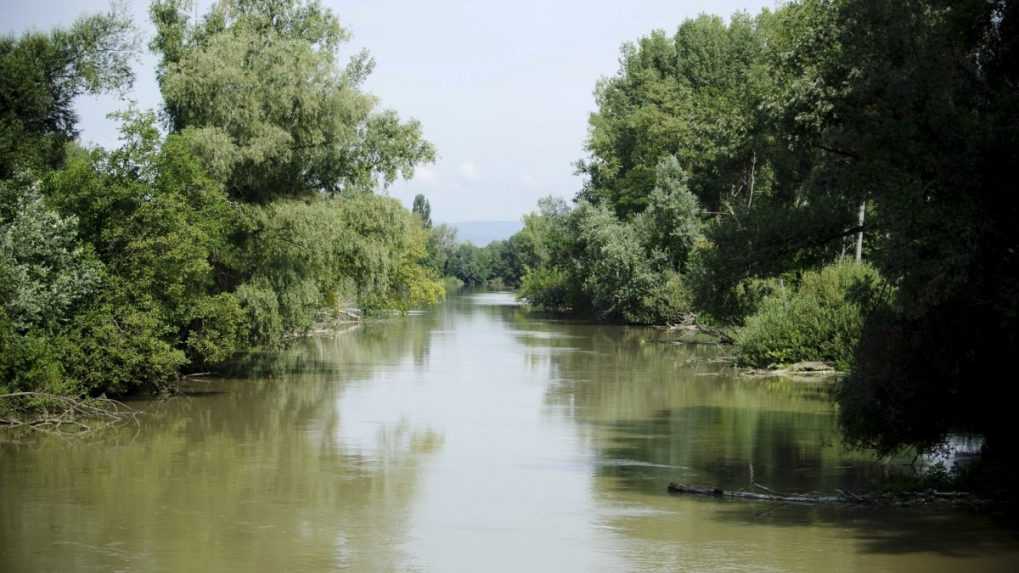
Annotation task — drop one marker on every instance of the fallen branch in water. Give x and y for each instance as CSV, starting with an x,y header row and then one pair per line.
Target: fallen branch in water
x,y
689,325
809,369
679,488
843,497
63,415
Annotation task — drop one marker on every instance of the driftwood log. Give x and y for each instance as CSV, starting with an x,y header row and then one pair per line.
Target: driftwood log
x,y
843,497
678,488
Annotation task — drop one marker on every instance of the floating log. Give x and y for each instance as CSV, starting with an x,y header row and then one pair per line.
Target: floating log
x,y
678,488
843,497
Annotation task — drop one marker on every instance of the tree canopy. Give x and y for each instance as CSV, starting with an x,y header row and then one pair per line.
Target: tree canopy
x,y
259,88
747,158
41,74
251,220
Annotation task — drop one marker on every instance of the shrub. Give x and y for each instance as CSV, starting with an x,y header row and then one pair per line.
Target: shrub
x,y
262,309
27,362
216,330
547,288
117,347
819,319
667,302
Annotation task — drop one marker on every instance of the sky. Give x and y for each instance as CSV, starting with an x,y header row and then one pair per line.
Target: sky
x,y
502,89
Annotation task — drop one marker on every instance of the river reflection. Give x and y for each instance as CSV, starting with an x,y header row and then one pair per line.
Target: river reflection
x,y
474,436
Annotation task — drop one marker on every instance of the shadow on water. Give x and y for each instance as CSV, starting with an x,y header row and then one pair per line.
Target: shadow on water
x,y
894,531
656,413
732,448
791,452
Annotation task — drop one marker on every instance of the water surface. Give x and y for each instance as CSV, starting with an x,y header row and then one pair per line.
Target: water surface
x,y
471,437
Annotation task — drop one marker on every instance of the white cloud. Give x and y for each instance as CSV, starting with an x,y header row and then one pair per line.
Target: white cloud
x,y
469,171
528,181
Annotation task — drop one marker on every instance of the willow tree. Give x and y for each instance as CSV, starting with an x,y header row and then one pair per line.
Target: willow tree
x,y
260,88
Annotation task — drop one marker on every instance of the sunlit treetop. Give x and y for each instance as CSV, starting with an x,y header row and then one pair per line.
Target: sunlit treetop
x,y
259,89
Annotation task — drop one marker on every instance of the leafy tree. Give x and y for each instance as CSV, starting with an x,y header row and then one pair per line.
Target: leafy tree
x,y
42,74
441,245
595,263
926,127
672,221
470,264
123,268
696,96
258,88
800,130
423,210
46,273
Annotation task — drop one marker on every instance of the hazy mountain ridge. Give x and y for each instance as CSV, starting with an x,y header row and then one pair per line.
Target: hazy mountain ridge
x,y
482,233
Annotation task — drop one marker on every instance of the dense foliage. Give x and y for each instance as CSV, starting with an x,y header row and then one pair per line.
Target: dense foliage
x,y
594,263
735,156
258,88
41,74
251,220
499,264
818,318
733,169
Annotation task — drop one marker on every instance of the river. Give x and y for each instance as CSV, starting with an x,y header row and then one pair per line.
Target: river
x,y
473,436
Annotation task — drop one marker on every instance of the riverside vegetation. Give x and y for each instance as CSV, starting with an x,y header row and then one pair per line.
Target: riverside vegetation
x,y
252,218
829,180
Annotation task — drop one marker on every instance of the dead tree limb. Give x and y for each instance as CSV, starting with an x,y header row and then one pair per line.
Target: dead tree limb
x,y
63,415
842,497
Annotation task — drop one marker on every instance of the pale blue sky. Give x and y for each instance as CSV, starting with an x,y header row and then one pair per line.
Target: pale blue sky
x,y
503,89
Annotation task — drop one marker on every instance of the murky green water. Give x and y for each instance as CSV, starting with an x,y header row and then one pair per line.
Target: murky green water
x,y
472,437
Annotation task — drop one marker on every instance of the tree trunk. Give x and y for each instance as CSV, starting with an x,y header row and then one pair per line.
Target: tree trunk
x,y
859,235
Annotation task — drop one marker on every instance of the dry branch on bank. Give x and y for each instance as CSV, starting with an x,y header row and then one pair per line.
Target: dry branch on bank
x,y
689,326
807,369
62,415
842,497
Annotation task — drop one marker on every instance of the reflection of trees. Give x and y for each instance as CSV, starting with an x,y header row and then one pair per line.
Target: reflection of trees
x,y
655,412
245,474
375,342
664,412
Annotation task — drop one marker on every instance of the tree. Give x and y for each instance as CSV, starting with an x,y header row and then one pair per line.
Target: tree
x,y
423,210
46,273
673,219
470,264
696,96
123,268
790,125
42,74
926,125
441,244
258,89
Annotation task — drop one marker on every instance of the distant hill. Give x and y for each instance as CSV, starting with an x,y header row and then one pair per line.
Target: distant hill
x,y
483,232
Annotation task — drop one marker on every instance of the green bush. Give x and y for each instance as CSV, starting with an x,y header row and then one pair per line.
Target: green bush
x,y
667,302
819,319
27,362
546,287
116,348
262,310
216,331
